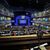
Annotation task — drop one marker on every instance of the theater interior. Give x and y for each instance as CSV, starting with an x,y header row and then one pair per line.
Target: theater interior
x,y
25,24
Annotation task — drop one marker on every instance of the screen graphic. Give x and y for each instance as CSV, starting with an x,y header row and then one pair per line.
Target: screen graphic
x,y
19,21
22,21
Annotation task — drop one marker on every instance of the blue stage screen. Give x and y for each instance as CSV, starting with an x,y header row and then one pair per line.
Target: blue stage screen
x,y
22,21
19,21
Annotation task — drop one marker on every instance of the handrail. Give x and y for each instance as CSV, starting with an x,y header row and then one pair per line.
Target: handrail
x,y
24,36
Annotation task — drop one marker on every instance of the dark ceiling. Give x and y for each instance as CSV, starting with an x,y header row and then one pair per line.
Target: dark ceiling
x,y
26,4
